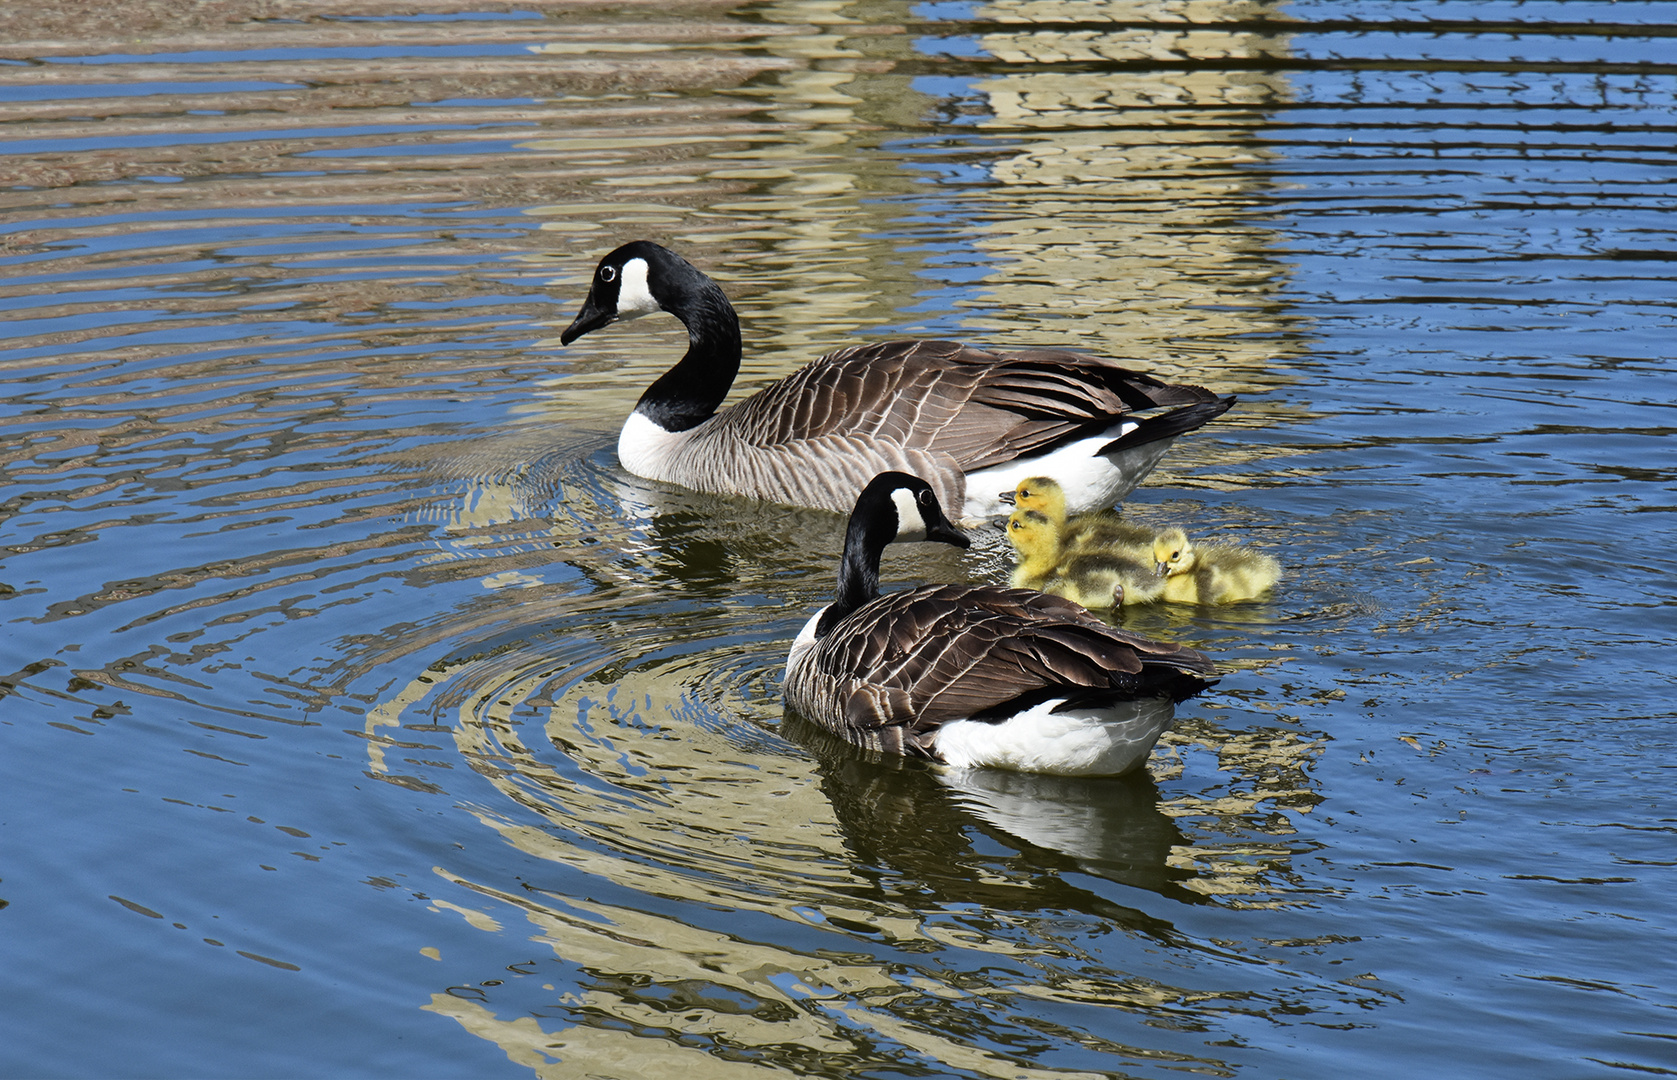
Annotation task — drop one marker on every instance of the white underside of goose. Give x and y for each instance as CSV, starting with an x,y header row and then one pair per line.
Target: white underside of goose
x,y
1084,742
1090,481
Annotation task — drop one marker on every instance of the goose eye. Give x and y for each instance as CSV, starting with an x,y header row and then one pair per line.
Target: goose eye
x,y
608,274
926,498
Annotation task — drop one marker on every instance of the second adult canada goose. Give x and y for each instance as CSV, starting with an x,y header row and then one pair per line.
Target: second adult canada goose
x,y
969,420
1212,573
977,675
1093,575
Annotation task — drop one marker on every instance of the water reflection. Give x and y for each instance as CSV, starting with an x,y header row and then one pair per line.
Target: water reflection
x,y
834,892
922,822
638,753
298,492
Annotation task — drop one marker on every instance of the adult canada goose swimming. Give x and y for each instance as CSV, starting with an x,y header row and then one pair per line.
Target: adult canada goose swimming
x,y
969,420
1099,528
1093,575
1211,573
977,675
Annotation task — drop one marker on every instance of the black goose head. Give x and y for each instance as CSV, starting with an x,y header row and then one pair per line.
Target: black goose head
x,y
913,507
893,507
637,279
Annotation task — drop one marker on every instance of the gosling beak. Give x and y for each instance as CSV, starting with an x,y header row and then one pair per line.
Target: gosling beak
x,y
1158,569
1006,497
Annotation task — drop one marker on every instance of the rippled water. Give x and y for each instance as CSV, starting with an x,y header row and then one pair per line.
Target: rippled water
x,y
360,716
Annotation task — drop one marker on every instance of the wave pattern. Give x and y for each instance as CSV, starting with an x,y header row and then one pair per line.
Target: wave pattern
x,y
413,736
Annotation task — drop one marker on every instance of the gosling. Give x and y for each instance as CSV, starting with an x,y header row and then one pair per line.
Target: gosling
x,y
1094,577
1085,532
1212,574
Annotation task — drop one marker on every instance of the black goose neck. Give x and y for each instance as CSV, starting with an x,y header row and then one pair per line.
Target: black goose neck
x,y
689,393
858,575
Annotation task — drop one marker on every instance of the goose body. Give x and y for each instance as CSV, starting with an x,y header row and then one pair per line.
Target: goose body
x,y
969,420
1212,573
1094,575
976,675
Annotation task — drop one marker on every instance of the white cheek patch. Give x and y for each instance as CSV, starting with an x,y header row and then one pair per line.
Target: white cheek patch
x,y
633,297
910,524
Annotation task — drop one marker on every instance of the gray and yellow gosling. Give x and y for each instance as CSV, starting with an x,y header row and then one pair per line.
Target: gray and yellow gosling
x,y
1211,573
1097,529
1096,577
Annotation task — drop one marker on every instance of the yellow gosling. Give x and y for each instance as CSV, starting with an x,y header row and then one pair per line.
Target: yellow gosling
x,y
1084,532
1094,578
1036,548
1212,573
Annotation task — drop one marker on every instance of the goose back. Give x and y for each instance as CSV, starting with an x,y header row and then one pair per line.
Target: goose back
x,y
893,673
934,409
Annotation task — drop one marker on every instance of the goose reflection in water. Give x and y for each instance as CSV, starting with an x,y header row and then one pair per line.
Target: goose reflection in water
x,y
928,824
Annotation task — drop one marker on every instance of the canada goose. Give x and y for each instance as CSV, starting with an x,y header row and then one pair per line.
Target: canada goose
x,y
1102,527
1211,573
977,675
1093,575
970,420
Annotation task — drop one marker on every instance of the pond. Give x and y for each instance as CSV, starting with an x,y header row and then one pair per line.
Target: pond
x,y
359,715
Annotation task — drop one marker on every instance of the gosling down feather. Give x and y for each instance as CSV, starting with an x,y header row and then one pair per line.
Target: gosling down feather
x,y
1093,575
1096,529
1211,573
969,420
975,675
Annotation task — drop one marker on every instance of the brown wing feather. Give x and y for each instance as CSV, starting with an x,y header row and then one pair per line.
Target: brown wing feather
x,y
979,407
944,652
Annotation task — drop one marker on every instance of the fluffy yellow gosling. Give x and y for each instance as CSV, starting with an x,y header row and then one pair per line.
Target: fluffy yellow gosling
x,y
1093,577
1084,532
1211,573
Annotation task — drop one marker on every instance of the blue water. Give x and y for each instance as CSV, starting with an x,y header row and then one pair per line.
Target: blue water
x,y
359,715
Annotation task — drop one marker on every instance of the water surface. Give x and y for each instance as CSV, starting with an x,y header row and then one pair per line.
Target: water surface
x,y
359,715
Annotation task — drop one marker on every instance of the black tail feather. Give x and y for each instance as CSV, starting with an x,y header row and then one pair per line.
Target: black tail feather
x,y
1169,425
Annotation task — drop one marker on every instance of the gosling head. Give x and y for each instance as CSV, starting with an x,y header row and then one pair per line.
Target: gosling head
x,y
1172,554
1034,537
1042,493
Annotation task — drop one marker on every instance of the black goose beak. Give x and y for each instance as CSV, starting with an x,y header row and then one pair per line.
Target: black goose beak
x,y
949,534
591,317
946,532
